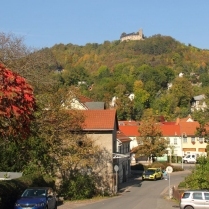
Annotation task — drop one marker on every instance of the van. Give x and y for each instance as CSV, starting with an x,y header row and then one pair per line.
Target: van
x,y
190,158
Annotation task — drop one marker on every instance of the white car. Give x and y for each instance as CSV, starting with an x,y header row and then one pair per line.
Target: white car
x,y
190,158
195,199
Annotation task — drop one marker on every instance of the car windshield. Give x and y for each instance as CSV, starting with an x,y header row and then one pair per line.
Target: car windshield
x,y
150,171
34,193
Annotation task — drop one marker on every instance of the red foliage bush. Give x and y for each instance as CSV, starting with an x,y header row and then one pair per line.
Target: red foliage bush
x,y
17,104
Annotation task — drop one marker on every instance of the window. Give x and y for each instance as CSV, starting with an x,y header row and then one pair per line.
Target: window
x,y
200,139
168,139
186,195
192,139
206,196
197,195
175,140
184,139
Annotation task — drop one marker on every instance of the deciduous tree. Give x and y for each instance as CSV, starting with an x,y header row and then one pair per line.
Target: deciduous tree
x,y
17,104
151,142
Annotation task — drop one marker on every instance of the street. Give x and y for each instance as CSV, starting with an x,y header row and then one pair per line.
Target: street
x,y
137,194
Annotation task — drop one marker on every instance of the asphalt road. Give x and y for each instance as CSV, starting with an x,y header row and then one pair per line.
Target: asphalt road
x,y
136,194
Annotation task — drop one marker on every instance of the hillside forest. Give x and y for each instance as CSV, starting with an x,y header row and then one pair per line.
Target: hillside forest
x,y
143,68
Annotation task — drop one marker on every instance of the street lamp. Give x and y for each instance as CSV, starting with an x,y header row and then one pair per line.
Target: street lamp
x,y
182,161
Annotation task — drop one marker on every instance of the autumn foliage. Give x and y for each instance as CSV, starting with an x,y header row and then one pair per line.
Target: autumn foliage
x,y
17,104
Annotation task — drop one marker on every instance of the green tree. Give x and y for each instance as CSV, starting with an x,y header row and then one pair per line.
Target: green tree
x,y
182,89
199,178
141,98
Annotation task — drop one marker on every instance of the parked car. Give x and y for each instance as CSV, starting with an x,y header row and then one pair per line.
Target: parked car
x,y
37,198
190,158
195,199
152,174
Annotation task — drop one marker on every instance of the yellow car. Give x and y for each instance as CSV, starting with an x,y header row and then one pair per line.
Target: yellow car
x,y
152,174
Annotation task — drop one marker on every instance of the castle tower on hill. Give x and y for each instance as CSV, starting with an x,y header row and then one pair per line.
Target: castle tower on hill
x,y
132,36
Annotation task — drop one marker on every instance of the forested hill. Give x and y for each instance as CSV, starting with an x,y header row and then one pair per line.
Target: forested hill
x,y
145,68
155,51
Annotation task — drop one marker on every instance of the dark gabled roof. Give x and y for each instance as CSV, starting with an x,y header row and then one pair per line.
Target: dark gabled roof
x,y
95,105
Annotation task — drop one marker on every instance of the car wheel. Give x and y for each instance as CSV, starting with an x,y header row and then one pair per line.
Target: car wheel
x,y
155,178
189,207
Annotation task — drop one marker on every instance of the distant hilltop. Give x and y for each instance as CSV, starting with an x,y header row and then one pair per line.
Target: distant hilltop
x,y
132,36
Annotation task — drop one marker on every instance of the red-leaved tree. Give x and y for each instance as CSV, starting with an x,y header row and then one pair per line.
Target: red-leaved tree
x,y
17,105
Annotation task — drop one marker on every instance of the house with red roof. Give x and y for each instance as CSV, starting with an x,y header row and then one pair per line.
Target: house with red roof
x,y
191,142
171,132
181,135
130,129
101,125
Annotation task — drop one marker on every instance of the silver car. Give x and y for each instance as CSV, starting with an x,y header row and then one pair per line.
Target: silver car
x,y
195,199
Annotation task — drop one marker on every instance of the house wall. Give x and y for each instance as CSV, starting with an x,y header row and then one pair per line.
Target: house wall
x,y
123,162
194,144
124,169
133,142
174,146
75,104
106,140
187,144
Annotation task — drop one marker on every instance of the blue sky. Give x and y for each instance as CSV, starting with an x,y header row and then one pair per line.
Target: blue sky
x,y
44,23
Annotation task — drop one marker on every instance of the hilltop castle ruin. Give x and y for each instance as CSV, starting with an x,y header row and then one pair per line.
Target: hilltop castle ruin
x,y
132,36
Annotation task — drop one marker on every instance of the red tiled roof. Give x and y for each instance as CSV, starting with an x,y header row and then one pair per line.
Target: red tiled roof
x,y
100,119
130,130
122,137
170,130
169,123
188,128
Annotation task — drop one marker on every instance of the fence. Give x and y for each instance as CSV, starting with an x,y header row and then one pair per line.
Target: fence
x,y
176,193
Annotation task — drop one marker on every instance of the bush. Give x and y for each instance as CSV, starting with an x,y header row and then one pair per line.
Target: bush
x,y
77,187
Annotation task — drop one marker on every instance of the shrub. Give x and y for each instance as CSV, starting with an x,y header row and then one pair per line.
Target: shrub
x,y
77,187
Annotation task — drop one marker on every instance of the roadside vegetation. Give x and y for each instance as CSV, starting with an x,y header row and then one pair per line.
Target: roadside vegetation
x,y
198,179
